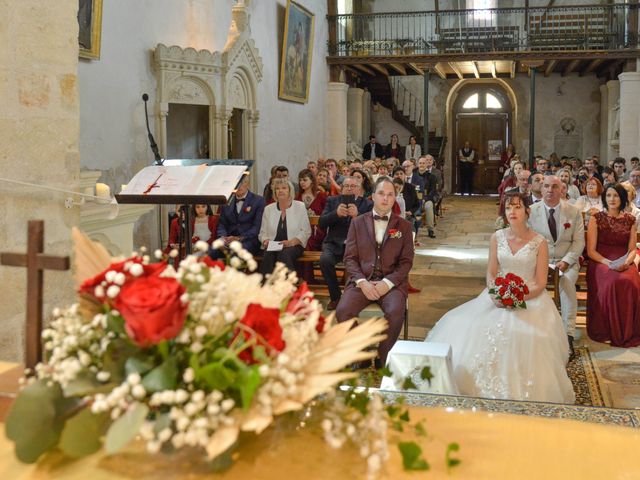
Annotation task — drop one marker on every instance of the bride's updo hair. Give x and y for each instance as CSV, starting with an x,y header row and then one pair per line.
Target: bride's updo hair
x,y
515,198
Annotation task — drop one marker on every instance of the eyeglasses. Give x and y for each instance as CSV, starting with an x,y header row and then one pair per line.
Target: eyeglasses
x,y
348,186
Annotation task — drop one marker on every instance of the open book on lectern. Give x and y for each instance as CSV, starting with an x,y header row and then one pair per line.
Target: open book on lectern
x,y
204,183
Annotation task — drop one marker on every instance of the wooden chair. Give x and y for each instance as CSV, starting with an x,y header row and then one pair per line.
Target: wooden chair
x,y
553,283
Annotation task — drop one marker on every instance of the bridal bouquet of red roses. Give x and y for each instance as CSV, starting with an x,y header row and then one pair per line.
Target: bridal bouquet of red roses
x,y
510,291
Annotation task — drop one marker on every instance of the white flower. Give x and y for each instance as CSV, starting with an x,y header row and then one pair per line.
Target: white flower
x,y
134,379
173,253
200,331
136,270
138,392
153,447
227,404
181,396
110,276
218,244
99,291
235,262
373,462
119,279
197,396
158,254
235,246
188,376
113,291
165,435
103,376
201,246
196,347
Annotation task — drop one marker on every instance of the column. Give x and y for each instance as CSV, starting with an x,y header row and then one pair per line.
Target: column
x,y
161,128
629,116
425,113
613,115
354,116
532,116
251,133
337,120
604,122
366,115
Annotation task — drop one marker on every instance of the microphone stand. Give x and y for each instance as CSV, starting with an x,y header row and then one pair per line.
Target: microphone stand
x,y
152,142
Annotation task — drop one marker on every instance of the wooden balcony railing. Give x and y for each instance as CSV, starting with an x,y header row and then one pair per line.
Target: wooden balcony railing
x,y
536,29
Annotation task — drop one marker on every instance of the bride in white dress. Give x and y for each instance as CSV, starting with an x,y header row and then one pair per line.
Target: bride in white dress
x,y
517,354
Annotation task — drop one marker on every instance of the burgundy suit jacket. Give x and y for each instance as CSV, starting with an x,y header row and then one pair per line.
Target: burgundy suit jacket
x,y
396,254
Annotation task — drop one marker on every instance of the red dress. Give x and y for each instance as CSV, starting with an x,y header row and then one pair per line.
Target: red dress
x,y
317,233
613,302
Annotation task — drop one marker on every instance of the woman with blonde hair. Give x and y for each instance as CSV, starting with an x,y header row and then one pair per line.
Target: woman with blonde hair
x,y
285,224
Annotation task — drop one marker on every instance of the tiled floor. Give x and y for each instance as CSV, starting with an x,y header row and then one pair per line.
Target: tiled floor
x,y
450,270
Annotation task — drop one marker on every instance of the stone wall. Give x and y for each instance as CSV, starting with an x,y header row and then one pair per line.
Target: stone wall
x,y
113,137
39,128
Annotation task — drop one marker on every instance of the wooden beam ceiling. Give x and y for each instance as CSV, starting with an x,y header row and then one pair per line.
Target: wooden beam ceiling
x,y
380,69
548,69
571,66
416,68
398,68
457,71
476,72
364,69
593,64
441,73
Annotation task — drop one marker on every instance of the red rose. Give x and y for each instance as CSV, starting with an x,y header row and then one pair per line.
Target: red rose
x,y
507,302
393,231
511,276
499,281
526,290
519,296
502,291
567,225
300,301
321,324
89,286
212,263
152,309
264,325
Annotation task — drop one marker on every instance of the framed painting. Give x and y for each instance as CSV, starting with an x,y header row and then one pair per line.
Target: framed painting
x,y
297,47
90,31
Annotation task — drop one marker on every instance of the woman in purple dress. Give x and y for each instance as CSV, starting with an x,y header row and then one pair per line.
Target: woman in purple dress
x,y
613,306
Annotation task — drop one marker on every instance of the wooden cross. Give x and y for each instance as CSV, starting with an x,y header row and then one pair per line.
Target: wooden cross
x,y
36,262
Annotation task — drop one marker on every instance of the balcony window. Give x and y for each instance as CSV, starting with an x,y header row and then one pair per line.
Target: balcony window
x,y
471,102
492,101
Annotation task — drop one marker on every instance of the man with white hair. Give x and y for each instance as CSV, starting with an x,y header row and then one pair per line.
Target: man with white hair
x,y
560,223
634,179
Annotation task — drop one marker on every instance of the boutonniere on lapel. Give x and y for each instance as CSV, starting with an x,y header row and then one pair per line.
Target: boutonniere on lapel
x,y
567,225
247,209
395,233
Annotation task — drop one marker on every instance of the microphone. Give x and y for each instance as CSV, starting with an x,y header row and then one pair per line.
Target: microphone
x,y
152,142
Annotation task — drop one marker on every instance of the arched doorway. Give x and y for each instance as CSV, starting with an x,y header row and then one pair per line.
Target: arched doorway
x,y
482,115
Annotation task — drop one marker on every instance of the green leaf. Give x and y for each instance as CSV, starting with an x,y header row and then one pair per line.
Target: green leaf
x,y
125,428
217,376
82,433
405,416
412,456
408,384
33,422
163,377
260,354
139,364
115,323
359,401
393,410
162,421
420,430
247,383
452,462
85,384
397,425
385,372
425,374
117,354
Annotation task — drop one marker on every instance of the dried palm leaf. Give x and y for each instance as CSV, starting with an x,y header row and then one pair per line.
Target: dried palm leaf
x,y
90,257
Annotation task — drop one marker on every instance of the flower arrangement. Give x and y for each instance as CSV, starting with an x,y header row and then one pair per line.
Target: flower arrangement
x,y
510,291
183,358
395,233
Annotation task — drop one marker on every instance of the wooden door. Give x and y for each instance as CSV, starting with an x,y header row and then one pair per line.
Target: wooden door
x,y
488,136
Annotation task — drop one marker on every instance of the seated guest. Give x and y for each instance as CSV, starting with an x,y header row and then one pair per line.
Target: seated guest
x,y
635,162
313,167
510,180
631,207
564,174
591,203
392,163
373,149
613,287
383,171
412,151
335,220
370,167
365,182
394,149
634,179
620,169
535,187
542,166
322,179
505,158
410,196
576,165
430,194
399,208
344,168
378,258
267,193
522,186
286,222
335,178
314,200
241,218
593,168
203,225
609,176
413,177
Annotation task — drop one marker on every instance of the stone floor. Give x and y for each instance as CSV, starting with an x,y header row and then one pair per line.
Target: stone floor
x,y
450,270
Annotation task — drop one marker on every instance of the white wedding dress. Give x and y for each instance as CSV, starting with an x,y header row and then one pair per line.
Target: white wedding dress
x,y
517,354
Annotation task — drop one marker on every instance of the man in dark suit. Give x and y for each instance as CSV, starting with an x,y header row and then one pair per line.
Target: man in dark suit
x,y
373,149
378,258
410,195
241,219
335,220
430,193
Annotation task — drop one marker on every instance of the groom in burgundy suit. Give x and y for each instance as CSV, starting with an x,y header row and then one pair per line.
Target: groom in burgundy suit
x,y
378,257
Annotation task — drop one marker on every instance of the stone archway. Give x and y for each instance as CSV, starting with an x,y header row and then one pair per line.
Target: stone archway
x,y
450,116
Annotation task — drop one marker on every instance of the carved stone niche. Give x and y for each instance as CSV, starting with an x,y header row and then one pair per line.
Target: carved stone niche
x,y
567,139
223,81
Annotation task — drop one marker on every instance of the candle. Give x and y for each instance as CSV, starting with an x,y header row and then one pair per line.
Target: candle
x,y
103,192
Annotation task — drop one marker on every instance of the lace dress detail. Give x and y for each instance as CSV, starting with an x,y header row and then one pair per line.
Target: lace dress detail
x,y
614,231
504,353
